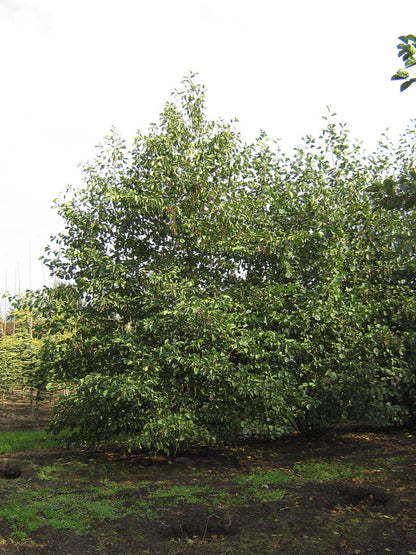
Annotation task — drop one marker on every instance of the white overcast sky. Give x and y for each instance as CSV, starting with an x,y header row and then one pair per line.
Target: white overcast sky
x,y
72,69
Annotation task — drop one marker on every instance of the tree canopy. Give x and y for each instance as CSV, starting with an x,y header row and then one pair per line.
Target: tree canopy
x,y
211,288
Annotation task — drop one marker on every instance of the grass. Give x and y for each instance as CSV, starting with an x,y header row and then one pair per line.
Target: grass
x,y
300,473
325,472
262,478
62,497
27,510
27,441
181,493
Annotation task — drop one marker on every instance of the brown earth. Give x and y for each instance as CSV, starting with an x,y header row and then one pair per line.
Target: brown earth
x,y
372,511
16,412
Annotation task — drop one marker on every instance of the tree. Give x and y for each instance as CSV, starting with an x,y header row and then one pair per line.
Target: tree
x,y
149,248
20,348
211,288
407,51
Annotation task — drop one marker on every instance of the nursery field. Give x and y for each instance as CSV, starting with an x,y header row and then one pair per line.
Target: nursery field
x,y
350,491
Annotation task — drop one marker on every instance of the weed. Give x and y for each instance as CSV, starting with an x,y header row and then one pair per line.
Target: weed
x,y
48,473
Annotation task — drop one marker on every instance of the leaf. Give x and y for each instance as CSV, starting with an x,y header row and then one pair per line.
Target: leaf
x,y
410,61
407,84
401,74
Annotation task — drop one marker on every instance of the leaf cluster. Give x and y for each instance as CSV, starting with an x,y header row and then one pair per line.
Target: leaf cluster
x,y
407,51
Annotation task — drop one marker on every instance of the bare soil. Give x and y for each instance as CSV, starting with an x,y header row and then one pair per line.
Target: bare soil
x,y
17,413
372,511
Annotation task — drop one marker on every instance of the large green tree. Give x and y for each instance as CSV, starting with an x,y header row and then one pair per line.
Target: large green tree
x,y
211,288
152,251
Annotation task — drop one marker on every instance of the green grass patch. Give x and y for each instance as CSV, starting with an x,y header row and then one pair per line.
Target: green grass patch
x,y
308,472
181,493
324,472
65,499
109,487
27,510
31,440
261,484
266,494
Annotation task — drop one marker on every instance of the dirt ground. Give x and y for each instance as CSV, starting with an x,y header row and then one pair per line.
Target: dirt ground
x,y
16,412
370,510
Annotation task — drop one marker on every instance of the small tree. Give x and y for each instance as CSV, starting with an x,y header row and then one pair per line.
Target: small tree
x,y
20,364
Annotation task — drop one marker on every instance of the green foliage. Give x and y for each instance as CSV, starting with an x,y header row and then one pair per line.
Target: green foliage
x,y
397,188
407,51
211,288
20,347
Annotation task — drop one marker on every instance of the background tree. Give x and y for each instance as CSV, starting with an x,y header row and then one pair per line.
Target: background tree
x,y
20,363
